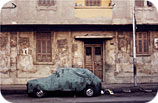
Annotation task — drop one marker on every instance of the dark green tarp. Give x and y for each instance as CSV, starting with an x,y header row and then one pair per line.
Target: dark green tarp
x,y
65,79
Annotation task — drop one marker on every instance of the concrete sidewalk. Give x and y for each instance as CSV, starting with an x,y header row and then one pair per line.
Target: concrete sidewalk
x,y
116,88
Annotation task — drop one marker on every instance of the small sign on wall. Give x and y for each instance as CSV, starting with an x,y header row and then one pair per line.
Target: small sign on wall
x,y
156,43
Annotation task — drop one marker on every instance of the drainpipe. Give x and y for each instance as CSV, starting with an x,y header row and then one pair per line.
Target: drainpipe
x,y
134,45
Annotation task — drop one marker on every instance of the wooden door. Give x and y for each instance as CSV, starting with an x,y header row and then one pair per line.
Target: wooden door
x,y
93,59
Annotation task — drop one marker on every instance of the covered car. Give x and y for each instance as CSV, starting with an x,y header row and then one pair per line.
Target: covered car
x,y
66,79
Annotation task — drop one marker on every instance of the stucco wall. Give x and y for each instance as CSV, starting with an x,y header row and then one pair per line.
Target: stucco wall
x,y
17,66
28,12
146,15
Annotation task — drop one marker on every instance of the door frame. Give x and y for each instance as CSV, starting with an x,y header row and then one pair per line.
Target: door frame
x,y
104,59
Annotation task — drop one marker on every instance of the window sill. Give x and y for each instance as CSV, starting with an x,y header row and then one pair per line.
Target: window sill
x,y
144,8
138,55
47,8
93,7
43,63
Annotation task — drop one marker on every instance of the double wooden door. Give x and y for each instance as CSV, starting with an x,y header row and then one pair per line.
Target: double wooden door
x,y
94,59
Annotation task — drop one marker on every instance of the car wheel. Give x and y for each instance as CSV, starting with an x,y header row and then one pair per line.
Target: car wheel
x,y
89,91
39,93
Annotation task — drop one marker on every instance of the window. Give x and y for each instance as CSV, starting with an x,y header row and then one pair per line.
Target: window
x,y
43,47
97,50
46,2
93,2
139,3
142,43
88,51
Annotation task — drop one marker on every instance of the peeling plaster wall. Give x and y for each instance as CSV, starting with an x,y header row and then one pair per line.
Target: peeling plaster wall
x,y
18,54
18,57
62,53
4,55
147,71
110,61
77,50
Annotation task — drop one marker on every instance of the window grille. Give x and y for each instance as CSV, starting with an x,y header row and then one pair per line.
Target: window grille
x,y
93,2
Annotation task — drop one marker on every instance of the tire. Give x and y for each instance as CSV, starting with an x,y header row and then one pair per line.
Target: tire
x,y
89,91
39,93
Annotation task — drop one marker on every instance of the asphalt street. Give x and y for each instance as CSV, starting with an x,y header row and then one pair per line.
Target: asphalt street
x,y
137,97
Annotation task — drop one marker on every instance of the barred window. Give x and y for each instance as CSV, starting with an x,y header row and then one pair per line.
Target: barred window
x,y
46,2
43,47
93,2
142,43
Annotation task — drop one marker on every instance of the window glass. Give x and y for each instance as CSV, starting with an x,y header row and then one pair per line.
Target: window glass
x,y
88,51
97,50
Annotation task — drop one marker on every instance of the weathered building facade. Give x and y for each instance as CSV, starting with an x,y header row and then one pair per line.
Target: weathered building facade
x,y
39,36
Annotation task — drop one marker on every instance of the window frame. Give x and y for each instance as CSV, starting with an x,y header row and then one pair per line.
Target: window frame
x,y
142,39
36,50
